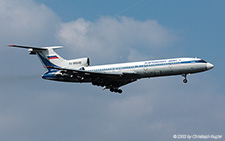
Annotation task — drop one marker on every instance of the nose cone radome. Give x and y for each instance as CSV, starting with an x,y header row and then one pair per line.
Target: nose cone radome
x,y
209,66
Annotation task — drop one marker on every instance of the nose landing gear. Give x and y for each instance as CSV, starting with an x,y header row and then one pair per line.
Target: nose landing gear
x,y
185,78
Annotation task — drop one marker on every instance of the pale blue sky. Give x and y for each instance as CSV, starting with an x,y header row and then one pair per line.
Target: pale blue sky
x,y
199,24
110,32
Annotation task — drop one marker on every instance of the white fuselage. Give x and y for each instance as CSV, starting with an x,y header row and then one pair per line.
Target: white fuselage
x,y
137,70
153,68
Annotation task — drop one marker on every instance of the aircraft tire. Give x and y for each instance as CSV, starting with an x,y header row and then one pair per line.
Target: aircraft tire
x,y
185,81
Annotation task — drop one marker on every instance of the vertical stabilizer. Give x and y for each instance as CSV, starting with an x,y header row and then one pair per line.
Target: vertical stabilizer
x,y
47,55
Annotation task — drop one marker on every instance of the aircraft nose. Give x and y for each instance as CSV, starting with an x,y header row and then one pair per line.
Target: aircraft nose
x,y
209,66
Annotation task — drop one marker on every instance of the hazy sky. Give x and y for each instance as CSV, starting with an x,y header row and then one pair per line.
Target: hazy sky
x,y
111,32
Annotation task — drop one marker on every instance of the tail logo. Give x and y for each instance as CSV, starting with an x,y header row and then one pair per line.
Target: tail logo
x,y
53,57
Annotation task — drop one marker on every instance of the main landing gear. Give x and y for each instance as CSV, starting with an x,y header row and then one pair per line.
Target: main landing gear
x,y
111,88
185,78
116,90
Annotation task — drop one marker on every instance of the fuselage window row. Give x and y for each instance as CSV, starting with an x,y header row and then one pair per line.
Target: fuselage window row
x,y
150,65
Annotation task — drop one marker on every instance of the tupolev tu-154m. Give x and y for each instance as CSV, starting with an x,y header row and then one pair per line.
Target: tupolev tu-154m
x,y
112,76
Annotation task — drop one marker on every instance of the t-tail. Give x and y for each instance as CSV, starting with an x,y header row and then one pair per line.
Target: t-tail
x,y
50,59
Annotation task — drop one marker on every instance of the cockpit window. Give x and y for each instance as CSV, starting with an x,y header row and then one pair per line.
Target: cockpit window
x,y
202,61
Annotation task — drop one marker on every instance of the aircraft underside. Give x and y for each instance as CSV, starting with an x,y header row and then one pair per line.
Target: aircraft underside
x,y
114,85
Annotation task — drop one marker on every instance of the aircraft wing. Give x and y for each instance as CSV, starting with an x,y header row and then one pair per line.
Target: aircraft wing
x,y
107,80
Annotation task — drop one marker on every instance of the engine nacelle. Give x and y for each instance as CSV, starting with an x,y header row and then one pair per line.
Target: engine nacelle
x,y
80,62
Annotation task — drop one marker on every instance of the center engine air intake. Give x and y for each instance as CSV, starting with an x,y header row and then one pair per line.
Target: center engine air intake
x,y
84,62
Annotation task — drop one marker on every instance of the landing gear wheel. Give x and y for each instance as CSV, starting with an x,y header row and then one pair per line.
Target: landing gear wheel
x,y
111,90
116,90
185,78
120,91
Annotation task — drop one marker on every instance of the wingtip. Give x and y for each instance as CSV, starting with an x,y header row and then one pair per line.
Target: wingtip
x,y
11,45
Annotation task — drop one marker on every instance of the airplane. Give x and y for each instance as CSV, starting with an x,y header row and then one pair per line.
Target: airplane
x,y
112,76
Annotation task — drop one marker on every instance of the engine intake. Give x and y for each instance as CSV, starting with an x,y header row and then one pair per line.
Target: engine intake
x,y
80,62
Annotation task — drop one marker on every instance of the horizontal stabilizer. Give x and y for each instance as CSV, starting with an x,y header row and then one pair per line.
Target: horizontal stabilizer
x,y
36,48
28,47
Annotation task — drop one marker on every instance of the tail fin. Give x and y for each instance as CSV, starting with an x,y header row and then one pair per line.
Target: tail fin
x,y
47,55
